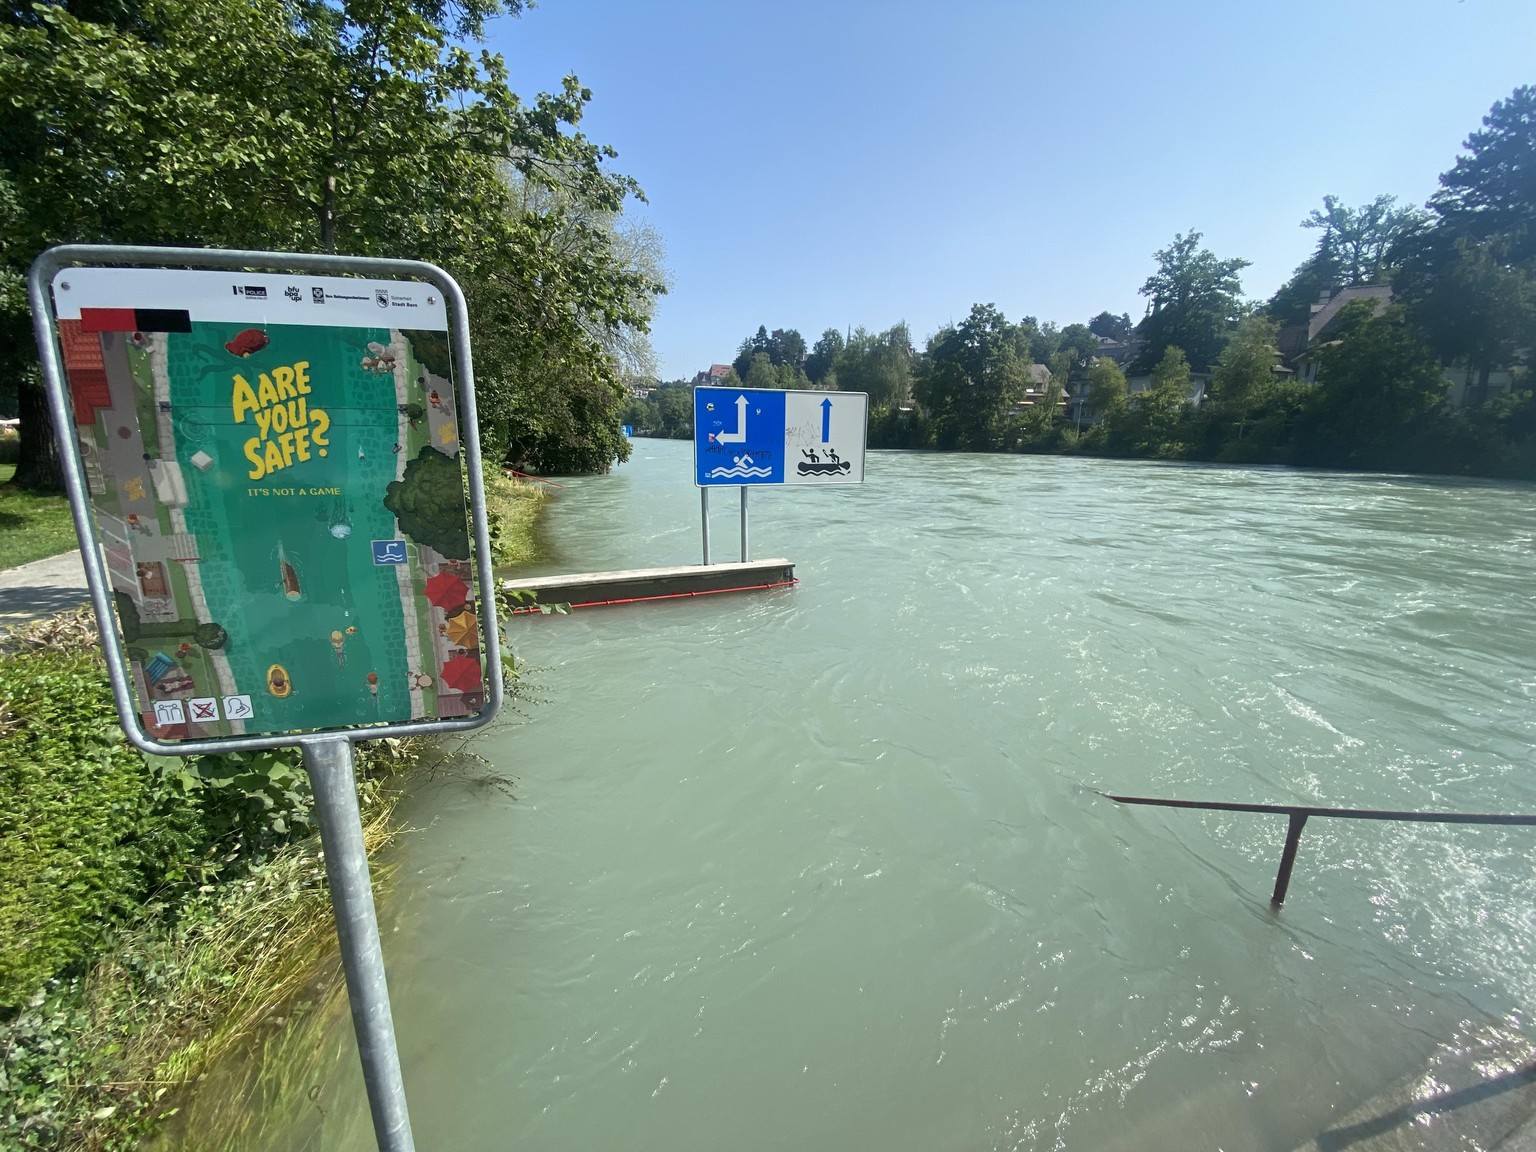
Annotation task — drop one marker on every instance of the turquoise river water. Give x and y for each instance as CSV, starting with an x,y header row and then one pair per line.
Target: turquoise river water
x,y
821,868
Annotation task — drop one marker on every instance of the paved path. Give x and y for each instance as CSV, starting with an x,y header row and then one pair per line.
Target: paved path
x,y
42,588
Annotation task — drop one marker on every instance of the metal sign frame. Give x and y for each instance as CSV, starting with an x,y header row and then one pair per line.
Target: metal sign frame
x,y
328,758
39,283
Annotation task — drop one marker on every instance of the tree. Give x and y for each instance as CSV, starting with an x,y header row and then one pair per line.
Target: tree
x,y
428,503
1161,410
1472,305
216,123
1491,191
786,346
974,374
1357,243
879,364
1292,302
1106,388
1194,303
1079,346
750,347
760,373
1375,379
1357,246
1112,327
823,355
1469,281
556,324
1245,366
674,403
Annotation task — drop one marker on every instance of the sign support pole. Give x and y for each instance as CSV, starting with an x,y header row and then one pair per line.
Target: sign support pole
x,y
328,760
704,517
743,523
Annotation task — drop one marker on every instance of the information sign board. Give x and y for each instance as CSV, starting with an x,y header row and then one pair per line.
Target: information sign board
x,y
277,491
755,436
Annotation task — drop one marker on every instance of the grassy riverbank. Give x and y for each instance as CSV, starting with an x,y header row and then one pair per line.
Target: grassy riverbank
x,y
513,507
157,914
32,526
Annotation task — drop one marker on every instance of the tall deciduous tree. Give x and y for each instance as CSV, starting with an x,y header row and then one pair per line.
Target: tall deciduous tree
x,y
1376,376
1357,246
1475,307
974,373
1194,303
1357,242
823,355
1106,388
879,364
351,126
1241,375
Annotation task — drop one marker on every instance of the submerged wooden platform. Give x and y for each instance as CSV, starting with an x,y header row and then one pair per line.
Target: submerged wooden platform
x,y
596,589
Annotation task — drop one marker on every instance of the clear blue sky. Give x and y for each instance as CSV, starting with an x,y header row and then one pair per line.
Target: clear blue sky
x,y
815,165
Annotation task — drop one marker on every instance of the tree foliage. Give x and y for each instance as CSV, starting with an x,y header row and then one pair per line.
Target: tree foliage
x,y
1194,303
974,373
1491,191
1112,327
823,355
352,126
1357,246
666,413
1375,381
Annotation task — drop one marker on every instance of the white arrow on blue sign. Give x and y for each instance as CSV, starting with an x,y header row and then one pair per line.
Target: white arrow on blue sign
x,y
752,436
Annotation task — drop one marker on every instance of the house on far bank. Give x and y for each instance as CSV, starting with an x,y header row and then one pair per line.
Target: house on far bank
x,y
1198,381
712,377
1299,342
1122,352
1037,386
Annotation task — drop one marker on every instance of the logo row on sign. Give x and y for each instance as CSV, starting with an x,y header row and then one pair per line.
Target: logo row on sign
x,y
202,710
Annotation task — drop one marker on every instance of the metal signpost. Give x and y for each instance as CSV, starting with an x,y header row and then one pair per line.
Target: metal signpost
x,y
745,437
266,458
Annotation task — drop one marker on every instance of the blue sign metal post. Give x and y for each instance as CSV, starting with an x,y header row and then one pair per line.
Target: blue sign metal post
x,y
744,437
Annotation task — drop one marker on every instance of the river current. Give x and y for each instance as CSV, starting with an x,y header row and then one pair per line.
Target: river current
x,y
822,868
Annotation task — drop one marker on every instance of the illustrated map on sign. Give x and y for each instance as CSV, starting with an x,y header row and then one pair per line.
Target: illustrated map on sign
x,y
273,465
753,436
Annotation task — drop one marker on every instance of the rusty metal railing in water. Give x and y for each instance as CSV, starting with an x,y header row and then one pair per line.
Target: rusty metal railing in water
x,y
1298,815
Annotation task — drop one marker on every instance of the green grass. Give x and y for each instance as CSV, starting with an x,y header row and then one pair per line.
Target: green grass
x,y
513,509
32,526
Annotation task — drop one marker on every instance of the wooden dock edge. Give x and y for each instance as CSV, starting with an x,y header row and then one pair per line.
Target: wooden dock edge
x,y
598,589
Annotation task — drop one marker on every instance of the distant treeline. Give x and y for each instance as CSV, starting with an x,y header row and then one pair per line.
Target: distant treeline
x,y
1400,344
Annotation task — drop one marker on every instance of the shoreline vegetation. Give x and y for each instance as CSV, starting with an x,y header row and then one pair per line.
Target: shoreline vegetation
x,y
1402,344
166,921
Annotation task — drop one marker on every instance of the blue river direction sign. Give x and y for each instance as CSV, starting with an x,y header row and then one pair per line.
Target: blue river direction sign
x,y
752,436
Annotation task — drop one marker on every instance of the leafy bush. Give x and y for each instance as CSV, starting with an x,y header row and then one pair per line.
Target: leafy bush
x,y
152,910
87,828
251,801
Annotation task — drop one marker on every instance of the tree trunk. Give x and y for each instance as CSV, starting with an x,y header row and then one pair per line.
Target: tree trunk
x,y
38,466
328,217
